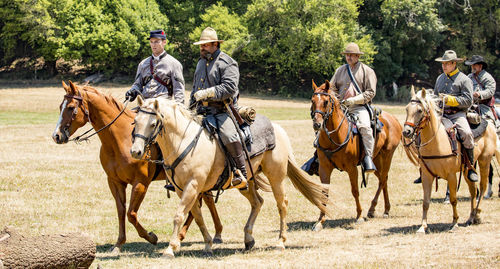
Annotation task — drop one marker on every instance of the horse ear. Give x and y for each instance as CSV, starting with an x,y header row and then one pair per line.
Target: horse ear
x,y
140,101
65,86
314,85
73,88
412,91
327,85
156,105
424,92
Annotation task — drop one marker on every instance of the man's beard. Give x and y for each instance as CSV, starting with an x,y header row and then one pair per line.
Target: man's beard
x,y
205,54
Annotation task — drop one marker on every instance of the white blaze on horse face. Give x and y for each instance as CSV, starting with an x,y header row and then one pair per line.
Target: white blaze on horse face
x,y
58,125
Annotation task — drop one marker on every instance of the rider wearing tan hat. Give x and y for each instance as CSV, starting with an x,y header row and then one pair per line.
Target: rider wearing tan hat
x,y
355,94
215,81
457,90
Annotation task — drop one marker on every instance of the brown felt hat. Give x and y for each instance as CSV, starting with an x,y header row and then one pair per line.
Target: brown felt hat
x,y
352,48
208,35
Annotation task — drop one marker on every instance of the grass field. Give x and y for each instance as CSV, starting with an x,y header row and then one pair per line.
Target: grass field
x,y
47,188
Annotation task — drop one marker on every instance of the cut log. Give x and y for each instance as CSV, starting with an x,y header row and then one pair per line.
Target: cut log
x,y
72,250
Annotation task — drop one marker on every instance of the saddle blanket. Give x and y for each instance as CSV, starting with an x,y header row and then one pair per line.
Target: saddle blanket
x,y
263,138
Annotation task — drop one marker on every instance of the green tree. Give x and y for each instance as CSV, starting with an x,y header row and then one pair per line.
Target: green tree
x,y
296,40
407,33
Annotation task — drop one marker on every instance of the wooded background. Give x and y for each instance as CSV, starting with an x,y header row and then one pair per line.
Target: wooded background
x,y
280,45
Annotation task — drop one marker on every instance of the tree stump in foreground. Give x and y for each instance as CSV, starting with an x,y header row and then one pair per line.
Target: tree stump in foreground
x,y
47,251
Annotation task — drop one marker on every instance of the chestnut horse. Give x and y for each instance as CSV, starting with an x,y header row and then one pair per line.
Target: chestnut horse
x,y
337,147
82,105
434,154
196,161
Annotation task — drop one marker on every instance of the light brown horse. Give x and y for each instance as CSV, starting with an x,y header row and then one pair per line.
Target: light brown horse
x,y
435,157
175,129
337,147
82,105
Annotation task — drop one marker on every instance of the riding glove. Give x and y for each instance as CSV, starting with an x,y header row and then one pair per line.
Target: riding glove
x,y
450,100
131,94
355,100
204,94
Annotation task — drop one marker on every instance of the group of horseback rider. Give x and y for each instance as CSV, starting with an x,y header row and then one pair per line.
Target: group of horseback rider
x,y
216,84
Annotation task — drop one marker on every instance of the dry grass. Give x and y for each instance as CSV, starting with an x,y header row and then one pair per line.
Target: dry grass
x,y
47,188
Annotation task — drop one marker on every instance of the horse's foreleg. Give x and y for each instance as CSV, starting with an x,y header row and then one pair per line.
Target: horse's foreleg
x,y
136,197
256,204
209,201
198,217
188,199
452,186
324,175
427,188
353,178
187,223
118,191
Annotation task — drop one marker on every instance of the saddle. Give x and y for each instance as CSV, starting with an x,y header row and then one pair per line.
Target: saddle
x,y
259,137
453,136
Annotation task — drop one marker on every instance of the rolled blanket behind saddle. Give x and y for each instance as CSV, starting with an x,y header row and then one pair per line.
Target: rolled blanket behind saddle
x,y
247,113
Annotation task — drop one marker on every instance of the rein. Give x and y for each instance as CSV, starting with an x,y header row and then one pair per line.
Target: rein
x,y
326,117
85,111
149,141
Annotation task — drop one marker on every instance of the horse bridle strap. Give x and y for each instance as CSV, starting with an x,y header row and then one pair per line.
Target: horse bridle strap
x,y
182,156
149,140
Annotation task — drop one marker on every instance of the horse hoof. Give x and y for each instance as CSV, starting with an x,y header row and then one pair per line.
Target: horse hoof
x,y
468,222
280,246
168,254
217,240
153,239
360,221
477,221
386,215
453,227
421,230
317,227
114,250
249,245
370,215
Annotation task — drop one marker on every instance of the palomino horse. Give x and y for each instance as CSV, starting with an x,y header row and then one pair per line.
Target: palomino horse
x,y
176,129
337,147
82,105
435,157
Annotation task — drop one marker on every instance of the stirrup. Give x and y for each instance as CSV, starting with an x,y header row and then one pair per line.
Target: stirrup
x,y
169,187
239,181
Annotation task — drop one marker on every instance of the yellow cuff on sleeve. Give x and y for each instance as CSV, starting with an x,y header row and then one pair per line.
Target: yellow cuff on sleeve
x,y
451,101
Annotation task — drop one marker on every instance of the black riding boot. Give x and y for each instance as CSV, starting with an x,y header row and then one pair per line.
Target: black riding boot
x,y
368,164
240,175
471,175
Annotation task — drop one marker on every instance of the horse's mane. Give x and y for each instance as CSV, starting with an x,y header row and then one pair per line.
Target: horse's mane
x,y
431,101
109,99
189,114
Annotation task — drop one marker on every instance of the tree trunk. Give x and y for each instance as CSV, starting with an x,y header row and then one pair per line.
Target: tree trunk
x,y
47,251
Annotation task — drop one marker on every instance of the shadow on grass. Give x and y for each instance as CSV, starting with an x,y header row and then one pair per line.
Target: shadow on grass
x,y
436,201
142,250
307,225
431,228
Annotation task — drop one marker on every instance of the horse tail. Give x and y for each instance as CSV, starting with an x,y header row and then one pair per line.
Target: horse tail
x,y
314,191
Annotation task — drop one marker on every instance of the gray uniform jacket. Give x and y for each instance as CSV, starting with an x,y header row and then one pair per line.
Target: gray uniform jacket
x,y
484,83
168,69
221,73
459,86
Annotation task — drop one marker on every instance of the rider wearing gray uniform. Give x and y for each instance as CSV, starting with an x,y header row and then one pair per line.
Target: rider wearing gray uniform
x,y
457,90
215,82
159,74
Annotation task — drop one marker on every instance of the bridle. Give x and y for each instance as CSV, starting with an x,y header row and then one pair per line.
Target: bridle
x,y
326,116
86,112
417,128
148,141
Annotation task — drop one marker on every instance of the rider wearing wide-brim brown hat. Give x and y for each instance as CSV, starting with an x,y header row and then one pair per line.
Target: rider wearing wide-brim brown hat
x,y
457,90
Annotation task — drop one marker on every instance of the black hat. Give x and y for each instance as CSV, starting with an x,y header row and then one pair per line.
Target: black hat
x,y
157,34
476,59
